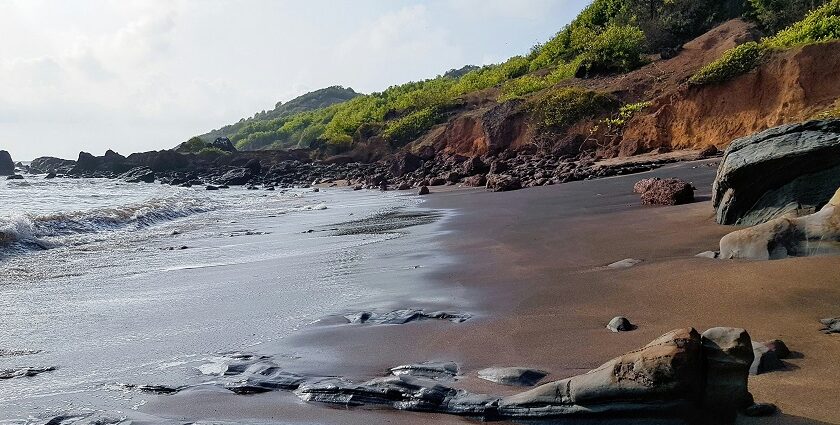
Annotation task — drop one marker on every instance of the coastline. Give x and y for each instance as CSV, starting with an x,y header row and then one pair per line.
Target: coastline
x,y
538,304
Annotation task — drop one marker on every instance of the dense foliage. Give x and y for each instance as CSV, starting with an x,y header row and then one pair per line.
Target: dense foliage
x,y
820,25
557,109
774,15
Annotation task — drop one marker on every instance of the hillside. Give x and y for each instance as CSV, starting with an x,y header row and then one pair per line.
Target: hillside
x,y
317,99
625,77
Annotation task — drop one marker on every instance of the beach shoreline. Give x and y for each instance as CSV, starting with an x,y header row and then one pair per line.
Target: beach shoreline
x,y
531,264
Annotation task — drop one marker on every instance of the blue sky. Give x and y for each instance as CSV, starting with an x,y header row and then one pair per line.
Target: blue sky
x,y
136,75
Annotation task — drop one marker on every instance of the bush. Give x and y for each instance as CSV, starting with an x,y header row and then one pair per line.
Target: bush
x,y
410,127
521,86
193,145
822,24
734,62
774,15
560,108
617,49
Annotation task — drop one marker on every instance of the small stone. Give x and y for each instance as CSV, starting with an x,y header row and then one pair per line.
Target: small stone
x,y
779,347
620,324
761,409
625,263
708,254
765,360
424,190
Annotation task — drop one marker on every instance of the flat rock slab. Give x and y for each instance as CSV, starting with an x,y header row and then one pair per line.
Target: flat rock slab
x,y
24,372
513,376
625,263
400,317
433,370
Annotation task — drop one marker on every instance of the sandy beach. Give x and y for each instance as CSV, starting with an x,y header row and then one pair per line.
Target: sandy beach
x,y
530,266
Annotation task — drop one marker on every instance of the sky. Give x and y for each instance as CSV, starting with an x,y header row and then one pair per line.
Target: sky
x,y
140,75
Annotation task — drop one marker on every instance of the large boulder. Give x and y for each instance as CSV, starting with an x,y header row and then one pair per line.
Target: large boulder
x,y
224,144
138,174
658,191
665,375
503,182
728,353
787,170
236,177
7,166
814,234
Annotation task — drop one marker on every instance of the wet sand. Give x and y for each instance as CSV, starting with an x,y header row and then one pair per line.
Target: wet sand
x,y
529,266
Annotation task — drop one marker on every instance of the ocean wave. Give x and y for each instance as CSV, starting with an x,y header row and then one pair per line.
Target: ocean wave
x,y
39,232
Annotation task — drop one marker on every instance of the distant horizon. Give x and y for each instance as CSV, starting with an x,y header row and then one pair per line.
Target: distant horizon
x,y
137,76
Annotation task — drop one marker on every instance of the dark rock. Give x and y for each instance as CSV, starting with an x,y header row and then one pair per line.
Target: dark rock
x,y
620,324
761,409
424,190
404,186
453,177
236,177
50,175
708,152
7,166
47,164
779,347
224,144
791,169
399,317
24,372
514,376
211,187
666,192
437,181
765,360
473,166
404,162
15,177
138,174
503,183
263,376
475,181
254,165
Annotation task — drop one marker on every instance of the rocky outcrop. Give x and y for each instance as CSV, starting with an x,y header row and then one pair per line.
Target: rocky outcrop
x,y
7,166
48,164
404,163
138,174
658,191
24,372
785,171
400,317
814,234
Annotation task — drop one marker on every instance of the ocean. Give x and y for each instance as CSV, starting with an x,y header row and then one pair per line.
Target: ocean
x,y
115,284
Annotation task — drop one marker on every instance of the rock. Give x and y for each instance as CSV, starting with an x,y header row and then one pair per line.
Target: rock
x,y
404,162
50,175
399,317
728,355
620,324
475,181
625,263
138,174
643,185
404,186
437,181
831,325
473,166
453,177
664,376
708,254
779,347
765,360
791,169
211,187
236,177
398,392
435,370
513,376
665,192
708,152
263,376
224,144
814,234
503,183
7,166
424,190
24,372
47,164
761,409
15,177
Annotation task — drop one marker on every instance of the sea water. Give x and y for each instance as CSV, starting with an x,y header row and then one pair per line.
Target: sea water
x,y
116,283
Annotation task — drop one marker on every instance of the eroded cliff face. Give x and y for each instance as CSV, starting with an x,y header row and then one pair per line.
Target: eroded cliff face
x,y
792,86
